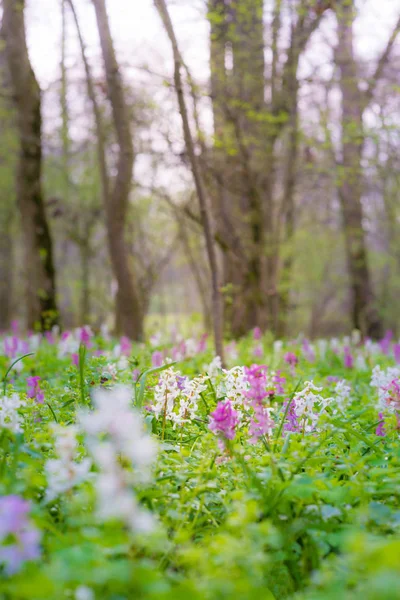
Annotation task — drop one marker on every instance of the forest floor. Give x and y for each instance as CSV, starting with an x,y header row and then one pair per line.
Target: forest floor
x,y
149,471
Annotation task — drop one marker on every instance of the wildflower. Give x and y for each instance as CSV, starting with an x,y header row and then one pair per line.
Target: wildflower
x,y
308,351
64,473
260,422
291,359
380,430
157,359
20,540
292,421
223,420
396,352
114,430
126,346
202,347
348,358
85,334
258,351
342,394
9,417
34,390
309,406
386,382
214,368
257,333
385,342
83,592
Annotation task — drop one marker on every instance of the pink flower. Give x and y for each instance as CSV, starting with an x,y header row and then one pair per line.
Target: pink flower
x,y
224,420
85,335
396,352
258,351
380,430
261,422
291,359
34,390
75,359
308,351
348,358
385,342
202,347
157,359
126,346
257,333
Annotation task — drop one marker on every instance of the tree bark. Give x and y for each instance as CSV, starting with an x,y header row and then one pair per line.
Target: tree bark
x,y
40,273
203,199
128,305
365,316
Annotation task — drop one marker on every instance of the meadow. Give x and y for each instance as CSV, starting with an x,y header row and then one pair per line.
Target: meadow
x,y
151,471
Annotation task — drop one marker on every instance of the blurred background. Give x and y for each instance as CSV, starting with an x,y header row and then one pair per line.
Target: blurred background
x,y
294,112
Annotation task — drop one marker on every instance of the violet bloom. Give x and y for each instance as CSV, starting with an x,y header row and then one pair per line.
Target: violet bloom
x,y
291,359
385,342
202,347
181,381
157,359
224,420
19,539
348,358
258,351
11,346
380,430
292,420
308,351
75,359
278,381
261,422
126,346
50,337
135,375
85,335
396,352
34,390
257,333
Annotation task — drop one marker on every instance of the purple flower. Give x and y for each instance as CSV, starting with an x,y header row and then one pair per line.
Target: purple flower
x,y
257,333
261,422
292,423
85,335
333,379
20,540
135,375
348,358
181,382
50,337
34,390
202,347
126,346
75,358
396,352
224,420
308,351
258,351
385,342
11,346
380,430
278,381
291,359
157,359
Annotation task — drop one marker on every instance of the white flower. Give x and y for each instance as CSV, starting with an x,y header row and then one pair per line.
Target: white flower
x,y
382,379
166,393
342,394
9,416
214,368
84,593
114,431
309,406
64,473
278,345
233,386
360,363
322,347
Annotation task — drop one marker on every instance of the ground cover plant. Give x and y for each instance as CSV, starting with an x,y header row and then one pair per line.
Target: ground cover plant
x,y
153,471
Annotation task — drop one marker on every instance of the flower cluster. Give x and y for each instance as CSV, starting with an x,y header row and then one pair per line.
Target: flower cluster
x,y
387,383
306,408
19,539
177,398
123,453
64,473
223,422
261,422
9,415
34,390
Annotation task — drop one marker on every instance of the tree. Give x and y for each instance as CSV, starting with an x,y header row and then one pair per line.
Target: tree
x,y
365,316
40,273
198,177
115,193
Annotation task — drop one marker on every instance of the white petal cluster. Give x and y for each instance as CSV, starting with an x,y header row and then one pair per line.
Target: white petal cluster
x,y
9,416
64,473
309,405
123,453
233,386
176,398
214,368
342,394
381,380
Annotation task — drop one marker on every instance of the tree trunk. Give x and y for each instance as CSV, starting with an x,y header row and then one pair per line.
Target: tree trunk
x,y
128,304
364,313
203,199
40,272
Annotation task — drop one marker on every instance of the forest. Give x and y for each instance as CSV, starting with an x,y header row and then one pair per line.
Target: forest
x,y
199,280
